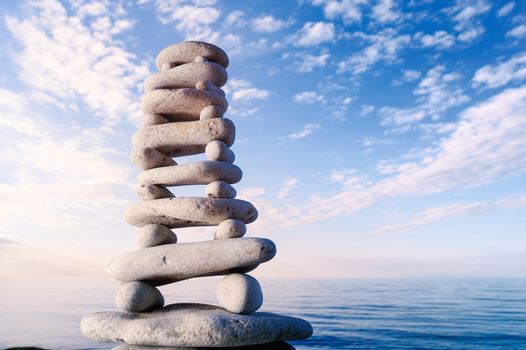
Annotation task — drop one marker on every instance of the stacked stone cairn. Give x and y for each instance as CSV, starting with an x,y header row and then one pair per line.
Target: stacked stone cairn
x,y
183,111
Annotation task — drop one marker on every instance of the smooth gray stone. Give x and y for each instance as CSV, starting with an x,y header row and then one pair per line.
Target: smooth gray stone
x,y
197,173
193,325
218,150
148,158
151,192
281,345
181,104
187,51
230,228
138,296
185,138
176,262
190,211
240,293
220,189
154,235
187,76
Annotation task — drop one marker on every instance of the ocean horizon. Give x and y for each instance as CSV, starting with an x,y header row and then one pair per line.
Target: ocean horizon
x,y
433,313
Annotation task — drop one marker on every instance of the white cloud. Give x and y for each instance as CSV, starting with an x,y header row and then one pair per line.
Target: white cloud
x,y
517,32
306,131
384,46
242,90
366,110
454,210
506,9
314,33
502,73
408,75
465,15
486,145
440,39
268,24
349,10
435,94
289,183
385,11
305,63
308,97
192,17
56,175
77,65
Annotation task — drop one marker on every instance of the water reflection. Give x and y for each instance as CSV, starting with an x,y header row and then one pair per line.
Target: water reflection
x,y
269,346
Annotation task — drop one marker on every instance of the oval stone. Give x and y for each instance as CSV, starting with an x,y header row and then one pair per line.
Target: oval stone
x,y
230,228
185,138
190,211
187,76
154,235
176,324
198,173
240,293
138,296
220,189
176,262
187,51
218,150
181,104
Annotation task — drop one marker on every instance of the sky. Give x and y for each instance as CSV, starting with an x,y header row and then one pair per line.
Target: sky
x,y
377,138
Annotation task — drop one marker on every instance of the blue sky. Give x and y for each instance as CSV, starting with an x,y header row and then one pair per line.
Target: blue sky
x,y
377,138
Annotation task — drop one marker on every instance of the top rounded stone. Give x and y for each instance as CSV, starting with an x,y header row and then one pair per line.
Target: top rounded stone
x,y
187,51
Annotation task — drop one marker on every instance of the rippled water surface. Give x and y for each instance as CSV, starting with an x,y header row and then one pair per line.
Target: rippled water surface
x,y
345,314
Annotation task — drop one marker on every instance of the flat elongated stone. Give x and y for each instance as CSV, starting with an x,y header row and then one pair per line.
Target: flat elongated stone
x,y
185,138
187,51
187,76
190,211
198,173
280,345
193,325
176,262
181,104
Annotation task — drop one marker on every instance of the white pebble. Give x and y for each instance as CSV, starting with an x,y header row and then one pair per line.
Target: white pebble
x,y
240,293
210,112
138,296
153,235
230,228
220,189
218,150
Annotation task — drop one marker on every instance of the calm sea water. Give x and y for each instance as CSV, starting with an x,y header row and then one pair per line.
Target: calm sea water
x,y
346,314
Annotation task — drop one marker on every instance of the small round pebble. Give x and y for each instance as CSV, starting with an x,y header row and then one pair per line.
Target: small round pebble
x,y
138,296
218,150
154,235
220,189
230,228
240,293
210,112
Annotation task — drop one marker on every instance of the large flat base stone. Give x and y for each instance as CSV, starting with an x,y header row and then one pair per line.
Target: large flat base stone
x,y
193,325
280,345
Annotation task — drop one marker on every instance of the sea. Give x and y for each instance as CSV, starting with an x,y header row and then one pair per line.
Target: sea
x,y
458,314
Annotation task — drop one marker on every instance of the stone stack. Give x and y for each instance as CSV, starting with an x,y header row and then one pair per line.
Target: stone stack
x,y
183,115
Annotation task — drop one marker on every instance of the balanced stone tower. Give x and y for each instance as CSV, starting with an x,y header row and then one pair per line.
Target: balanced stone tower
x,y
183,111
